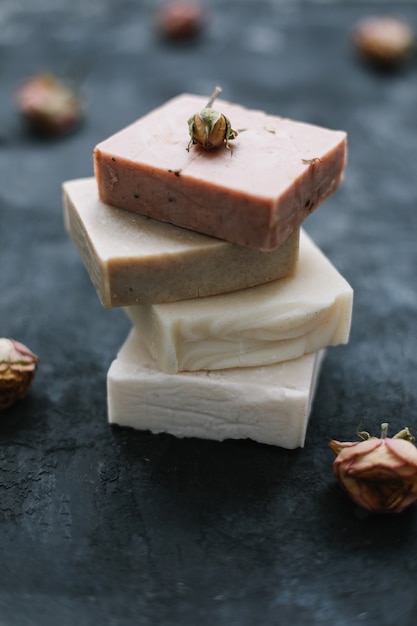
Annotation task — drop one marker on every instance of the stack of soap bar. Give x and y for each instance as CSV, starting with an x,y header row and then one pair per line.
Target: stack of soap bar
x,y
232,305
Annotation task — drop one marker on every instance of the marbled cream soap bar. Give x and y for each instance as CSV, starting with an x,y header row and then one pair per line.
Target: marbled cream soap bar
x,y
134,259
274,322
255,194
268,404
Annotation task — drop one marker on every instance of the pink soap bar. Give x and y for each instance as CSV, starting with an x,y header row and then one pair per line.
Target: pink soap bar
x,y
254,194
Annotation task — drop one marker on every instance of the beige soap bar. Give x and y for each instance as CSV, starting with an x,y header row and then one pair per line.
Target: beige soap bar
x,y
268,404
265,324
135,259
255,194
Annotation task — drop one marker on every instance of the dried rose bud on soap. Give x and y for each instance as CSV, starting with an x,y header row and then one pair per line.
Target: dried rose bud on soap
x,y
384,41
379,474
48,105
17,370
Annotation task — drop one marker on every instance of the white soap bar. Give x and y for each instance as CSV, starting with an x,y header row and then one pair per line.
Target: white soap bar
x,y
136,259
282,320
268,404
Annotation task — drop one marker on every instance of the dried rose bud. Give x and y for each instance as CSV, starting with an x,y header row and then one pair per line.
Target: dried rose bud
x,y
384,41
17,370
180,20
209,128
379,474
48,105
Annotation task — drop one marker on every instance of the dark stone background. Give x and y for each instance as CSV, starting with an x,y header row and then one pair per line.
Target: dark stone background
x,y
111,527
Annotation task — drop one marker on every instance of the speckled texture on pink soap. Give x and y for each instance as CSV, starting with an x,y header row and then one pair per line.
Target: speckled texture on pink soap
x,y
275,174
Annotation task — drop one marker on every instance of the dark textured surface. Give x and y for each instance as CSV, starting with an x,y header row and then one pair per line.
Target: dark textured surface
x,y
106,526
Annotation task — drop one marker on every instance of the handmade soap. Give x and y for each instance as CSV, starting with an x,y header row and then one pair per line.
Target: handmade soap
x,y
134,259
268,404
260,325
254,194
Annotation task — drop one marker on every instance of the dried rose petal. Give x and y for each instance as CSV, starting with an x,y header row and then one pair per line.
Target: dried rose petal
x,y
379,474
180,20
17,370
48,105
383,40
